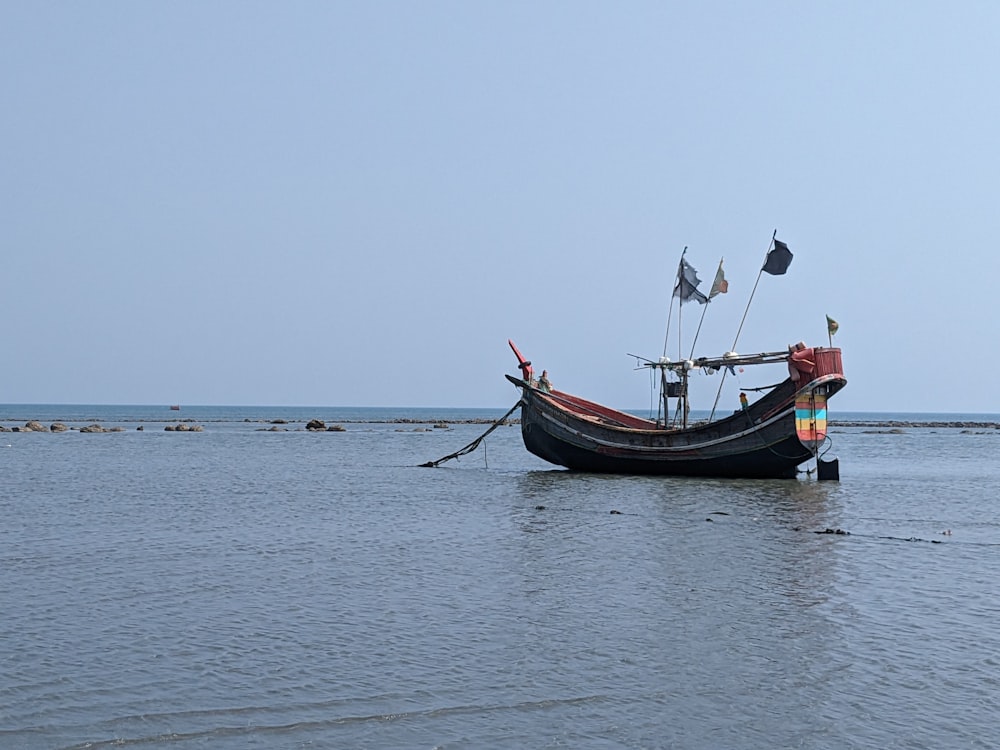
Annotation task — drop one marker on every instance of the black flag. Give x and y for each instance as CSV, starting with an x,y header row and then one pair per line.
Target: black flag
x,y
778,260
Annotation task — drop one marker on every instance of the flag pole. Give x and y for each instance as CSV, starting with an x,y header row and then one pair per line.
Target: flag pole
x,y
680,330
705,310
739,330
754,290
670,308
664,397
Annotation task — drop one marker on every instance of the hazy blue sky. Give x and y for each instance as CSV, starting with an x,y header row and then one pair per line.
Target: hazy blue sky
x,y
333,203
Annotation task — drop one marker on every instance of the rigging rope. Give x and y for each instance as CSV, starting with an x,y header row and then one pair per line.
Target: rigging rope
x,y
475,443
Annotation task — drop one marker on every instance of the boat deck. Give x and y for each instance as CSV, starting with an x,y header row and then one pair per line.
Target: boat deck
x,y
597,413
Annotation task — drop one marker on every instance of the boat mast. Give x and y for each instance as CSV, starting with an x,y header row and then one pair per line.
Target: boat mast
x,y
684,398
670,307
717,288
664,398
685,288
754,290
722,380
664,393
682,407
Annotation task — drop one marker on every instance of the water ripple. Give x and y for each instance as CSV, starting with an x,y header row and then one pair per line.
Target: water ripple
x,y
244,590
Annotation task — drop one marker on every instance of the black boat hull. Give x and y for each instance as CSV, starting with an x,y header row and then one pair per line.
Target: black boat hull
x,y
760,442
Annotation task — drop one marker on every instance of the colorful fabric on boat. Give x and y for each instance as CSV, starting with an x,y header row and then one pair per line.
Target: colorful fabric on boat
x,y
810,419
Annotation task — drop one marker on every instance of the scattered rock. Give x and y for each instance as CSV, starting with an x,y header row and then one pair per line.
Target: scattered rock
x,y
279,421
34,426
92,428
316,425
58,427
336,428
441,426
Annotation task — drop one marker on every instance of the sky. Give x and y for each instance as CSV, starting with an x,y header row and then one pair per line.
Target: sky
x,y
359,203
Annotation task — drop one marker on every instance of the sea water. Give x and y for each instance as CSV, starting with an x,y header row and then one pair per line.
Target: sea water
x,y
259,585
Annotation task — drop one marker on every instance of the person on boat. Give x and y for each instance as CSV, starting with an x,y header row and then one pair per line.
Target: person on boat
x,y
543,382
744,404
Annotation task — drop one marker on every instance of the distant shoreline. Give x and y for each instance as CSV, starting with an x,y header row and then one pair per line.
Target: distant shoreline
x,y
882,424
902,424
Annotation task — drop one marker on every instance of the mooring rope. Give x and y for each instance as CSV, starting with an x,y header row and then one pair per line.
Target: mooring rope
x,y
475,443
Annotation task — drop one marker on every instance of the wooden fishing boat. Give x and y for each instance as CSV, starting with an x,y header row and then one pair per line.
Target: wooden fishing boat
x,y
772,437
769,438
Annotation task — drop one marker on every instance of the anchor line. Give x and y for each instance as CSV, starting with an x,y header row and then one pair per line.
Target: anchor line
x,y
475,443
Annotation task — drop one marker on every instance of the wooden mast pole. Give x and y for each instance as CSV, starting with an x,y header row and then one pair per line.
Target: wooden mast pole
x,y
670,308
760,273
664,396
754,290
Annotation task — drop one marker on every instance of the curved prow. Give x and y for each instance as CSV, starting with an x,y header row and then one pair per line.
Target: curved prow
x,y
527,372
818,374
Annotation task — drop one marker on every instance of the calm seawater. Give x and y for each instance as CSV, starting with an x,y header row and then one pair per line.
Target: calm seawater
x,y
237,588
